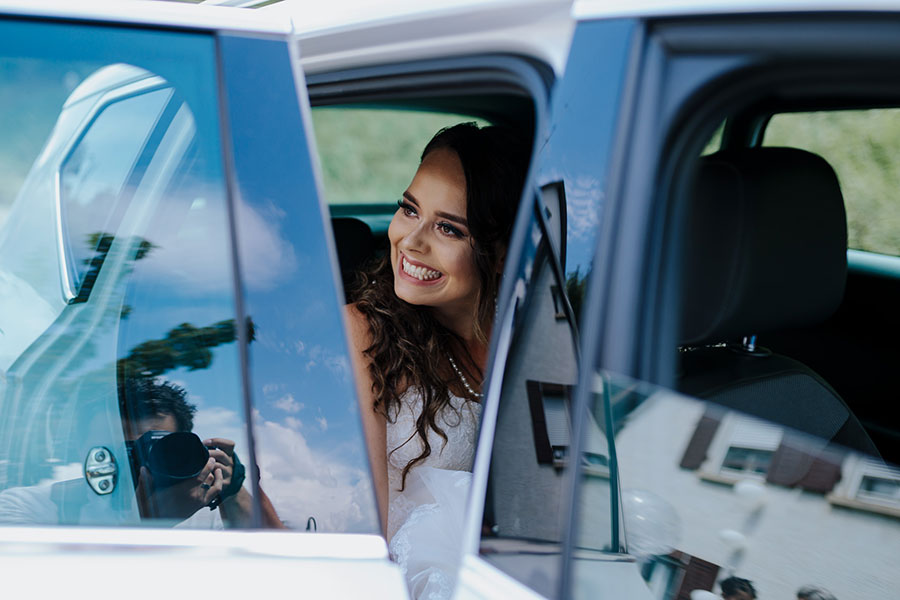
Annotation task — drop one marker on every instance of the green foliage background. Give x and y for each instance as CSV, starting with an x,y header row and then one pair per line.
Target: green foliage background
x,y
369,156
863,147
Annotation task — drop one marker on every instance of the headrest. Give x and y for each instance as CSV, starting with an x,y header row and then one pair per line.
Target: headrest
x,y
355,244
766,244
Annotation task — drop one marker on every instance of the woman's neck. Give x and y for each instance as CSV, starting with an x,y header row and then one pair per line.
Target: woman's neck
x,y
474,348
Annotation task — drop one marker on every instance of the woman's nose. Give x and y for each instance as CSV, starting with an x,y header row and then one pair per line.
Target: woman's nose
x,y
416,240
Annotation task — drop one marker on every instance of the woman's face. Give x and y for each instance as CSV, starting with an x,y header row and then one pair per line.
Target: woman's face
x,y
432,251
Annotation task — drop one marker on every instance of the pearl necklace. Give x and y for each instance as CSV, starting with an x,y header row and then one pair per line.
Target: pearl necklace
x,y
463,379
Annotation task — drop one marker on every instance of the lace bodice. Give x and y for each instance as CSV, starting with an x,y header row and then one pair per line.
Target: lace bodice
x,y
459,421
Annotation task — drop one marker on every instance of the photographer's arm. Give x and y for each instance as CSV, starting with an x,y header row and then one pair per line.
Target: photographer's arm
x,y
237,511
237,508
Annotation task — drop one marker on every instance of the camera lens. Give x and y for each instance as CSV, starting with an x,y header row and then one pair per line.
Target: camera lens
x,y
177,456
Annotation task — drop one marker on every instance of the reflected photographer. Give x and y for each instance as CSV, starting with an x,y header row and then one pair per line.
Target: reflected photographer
x,y
177,474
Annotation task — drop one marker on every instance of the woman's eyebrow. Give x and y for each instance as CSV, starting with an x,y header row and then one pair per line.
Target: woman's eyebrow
x,y
440,213
453,218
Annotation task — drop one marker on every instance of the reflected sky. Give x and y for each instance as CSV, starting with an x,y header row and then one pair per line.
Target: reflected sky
x,y
578,149
309,437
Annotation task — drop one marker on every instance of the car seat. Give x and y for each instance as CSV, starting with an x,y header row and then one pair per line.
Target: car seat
x,y
766,248
355,246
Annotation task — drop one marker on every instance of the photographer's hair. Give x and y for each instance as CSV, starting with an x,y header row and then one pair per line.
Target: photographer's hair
x,y
811,592
143,397
409,347
733,585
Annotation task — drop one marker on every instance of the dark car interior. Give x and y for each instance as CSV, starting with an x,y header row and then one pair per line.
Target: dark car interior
x,y
777,322
768,251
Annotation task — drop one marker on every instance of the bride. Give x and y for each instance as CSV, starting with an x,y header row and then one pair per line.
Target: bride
x,y
419,327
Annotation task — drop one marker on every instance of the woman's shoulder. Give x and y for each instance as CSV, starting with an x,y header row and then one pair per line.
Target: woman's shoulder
x,y
357,327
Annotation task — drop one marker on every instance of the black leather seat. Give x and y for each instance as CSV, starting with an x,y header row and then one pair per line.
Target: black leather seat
x,y
355,245
766,248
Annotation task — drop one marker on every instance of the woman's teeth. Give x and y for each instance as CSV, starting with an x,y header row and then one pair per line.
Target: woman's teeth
x,y
420,273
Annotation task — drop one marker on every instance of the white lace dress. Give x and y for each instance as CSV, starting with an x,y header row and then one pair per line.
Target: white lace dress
x,y
425,519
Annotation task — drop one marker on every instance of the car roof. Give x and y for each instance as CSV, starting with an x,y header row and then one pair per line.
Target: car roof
x,y
351,33
591,9
142,12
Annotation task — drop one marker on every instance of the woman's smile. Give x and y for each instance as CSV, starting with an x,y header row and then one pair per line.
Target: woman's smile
x,y
419,271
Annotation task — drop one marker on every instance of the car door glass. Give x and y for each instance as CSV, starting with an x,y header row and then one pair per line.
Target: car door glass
x,y
309,442
92,178
117,293
525,504
708,492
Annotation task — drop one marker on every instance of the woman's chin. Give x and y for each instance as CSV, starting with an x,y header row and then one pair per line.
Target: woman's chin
x,y
412,294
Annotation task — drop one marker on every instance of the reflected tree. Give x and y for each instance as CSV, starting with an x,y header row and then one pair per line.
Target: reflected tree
x,y
184,346
576,287
101,243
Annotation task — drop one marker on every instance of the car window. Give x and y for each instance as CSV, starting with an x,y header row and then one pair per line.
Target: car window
x,y
309,445
93,177
860,145
117,292
531,453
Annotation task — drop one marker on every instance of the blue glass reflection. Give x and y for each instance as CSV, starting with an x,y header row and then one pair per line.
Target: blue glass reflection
x,y
585,111
308,436
147,231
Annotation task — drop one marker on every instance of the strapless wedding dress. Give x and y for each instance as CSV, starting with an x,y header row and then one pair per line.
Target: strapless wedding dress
x,y
425,520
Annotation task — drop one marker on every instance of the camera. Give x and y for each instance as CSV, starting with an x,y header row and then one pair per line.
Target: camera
x,y
170,456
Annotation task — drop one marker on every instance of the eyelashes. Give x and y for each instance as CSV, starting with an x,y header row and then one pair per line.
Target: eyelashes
x,y
443,226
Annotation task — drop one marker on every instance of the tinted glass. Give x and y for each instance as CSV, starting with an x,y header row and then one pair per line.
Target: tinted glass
x,y
311,453
117,294
708,492
576,155
94,173
526,498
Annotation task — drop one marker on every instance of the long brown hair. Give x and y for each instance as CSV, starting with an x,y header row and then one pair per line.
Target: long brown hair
x,y
409,346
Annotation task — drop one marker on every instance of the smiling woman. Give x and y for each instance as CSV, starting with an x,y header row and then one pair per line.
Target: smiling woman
x,y
420,325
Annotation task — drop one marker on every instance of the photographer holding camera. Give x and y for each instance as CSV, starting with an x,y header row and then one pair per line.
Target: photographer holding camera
x,y
175,472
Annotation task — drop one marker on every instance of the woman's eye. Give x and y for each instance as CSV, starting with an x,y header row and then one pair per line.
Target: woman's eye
x,y
407,208
448,229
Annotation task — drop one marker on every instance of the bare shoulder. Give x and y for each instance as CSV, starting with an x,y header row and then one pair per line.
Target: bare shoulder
x,y
357,327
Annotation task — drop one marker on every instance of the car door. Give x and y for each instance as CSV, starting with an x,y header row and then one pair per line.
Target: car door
x,y
718,493
518,535
162,230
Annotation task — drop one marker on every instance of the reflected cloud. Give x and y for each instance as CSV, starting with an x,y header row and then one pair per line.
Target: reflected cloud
x,y
197,265
289,404
222,423
322,421
303,482
583,200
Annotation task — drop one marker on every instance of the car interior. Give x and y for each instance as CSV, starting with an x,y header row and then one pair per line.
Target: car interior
x,y
767,250
784,316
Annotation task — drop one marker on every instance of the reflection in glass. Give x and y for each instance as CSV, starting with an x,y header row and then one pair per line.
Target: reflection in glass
x,y
754,499
145,356
526,499
309,444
